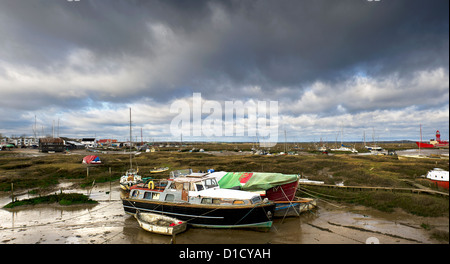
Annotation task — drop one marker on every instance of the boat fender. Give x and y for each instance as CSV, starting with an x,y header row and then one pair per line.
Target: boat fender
x,y
151,185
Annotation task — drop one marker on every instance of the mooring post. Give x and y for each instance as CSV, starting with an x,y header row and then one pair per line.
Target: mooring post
x,y
110,183
12,192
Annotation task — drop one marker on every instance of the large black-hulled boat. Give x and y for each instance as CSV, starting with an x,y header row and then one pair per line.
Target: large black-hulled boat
x,y
197,199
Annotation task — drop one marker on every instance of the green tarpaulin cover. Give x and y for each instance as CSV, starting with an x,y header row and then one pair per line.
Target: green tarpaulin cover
x,y
252,181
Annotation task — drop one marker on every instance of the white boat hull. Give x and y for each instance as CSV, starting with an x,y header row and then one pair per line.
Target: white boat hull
x,y
160,224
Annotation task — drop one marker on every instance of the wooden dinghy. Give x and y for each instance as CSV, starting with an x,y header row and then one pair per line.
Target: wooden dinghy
x,y
294,208
155,170
160,224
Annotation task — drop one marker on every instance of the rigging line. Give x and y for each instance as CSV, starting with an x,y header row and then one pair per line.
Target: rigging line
x,y
358,197
203,214
323,199
257,204
290,202
322,194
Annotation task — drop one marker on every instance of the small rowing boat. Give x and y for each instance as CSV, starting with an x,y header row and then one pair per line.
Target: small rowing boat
x,y
160,224
295,207
155,170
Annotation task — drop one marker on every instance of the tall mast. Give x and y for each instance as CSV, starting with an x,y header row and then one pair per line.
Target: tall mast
x,y
420,138
131,163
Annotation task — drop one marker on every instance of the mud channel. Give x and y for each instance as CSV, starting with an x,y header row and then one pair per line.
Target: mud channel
x,y
106,223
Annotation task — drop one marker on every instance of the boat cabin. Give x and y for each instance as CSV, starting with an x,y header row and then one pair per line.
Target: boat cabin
x,y
194,188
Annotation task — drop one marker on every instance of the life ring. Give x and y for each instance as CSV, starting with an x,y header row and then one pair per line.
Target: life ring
x,y
151,185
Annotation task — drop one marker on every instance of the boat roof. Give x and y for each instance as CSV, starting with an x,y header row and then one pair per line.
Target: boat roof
x,y
224,193
193,178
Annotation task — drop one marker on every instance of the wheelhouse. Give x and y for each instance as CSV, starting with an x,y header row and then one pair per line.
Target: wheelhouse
x,y
192,189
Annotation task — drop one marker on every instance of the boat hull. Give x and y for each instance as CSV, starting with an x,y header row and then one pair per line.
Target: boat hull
x,y
150,223
294,208
443,184
285,192
210,216
424,145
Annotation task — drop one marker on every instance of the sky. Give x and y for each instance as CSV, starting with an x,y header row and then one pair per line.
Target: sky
x,y
379,68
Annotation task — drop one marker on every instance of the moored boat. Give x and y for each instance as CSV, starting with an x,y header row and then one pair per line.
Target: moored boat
x,y
158,170
274,186
295,207
433,143
160,224
439,176
198,200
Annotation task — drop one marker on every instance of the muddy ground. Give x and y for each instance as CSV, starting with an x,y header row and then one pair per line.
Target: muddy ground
x,y
106,223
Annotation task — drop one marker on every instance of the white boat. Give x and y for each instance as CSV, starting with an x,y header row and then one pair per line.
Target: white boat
x,y
130,178
158,170
160,224
439,177
198,200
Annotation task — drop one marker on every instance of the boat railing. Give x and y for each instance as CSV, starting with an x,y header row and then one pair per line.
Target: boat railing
x,y
177,173
154,184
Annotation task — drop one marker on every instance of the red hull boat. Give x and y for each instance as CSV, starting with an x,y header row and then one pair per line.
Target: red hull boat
x,y
434,143
439,177
285,192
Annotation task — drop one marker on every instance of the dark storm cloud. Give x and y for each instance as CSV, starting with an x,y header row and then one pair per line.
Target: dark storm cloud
x,y
325,57
265,43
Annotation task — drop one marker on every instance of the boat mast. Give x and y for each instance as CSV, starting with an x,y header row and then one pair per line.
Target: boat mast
x,y
131,163
420,138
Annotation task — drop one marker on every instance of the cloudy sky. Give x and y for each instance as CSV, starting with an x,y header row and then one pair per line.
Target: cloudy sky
x,y
350,65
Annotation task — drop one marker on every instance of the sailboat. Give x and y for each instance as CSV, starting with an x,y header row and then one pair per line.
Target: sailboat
x,y
344,147
131,176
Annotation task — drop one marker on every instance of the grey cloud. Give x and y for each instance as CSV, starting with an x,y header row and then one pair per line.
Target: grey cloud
x,y
76,55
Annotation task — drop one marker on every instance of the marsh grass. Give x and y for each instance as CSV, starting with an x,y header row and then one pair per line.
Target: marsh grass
x,y
61,198
387,171
386,201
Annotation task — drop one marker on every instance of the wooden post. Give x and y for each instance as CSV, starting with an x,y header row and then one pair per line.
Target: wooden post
x,y
87,172
12,192
110,183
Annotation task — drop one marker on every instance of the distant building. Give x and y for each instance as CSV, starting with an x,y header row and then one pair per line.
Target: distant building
x,y
51,144
23,141
74,145
107,142
89,142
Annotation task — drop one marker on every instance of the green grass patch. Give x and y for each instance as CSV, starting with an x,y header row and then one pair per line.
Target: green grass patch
x,y
386,201
61,198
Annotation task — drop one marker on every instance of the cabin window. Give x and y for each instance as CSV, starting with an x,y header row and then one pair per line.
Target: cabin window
x,y
135,193
211,201
256,199
206,201
151,196
210,183
170,197
172,186
199,186
148,195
